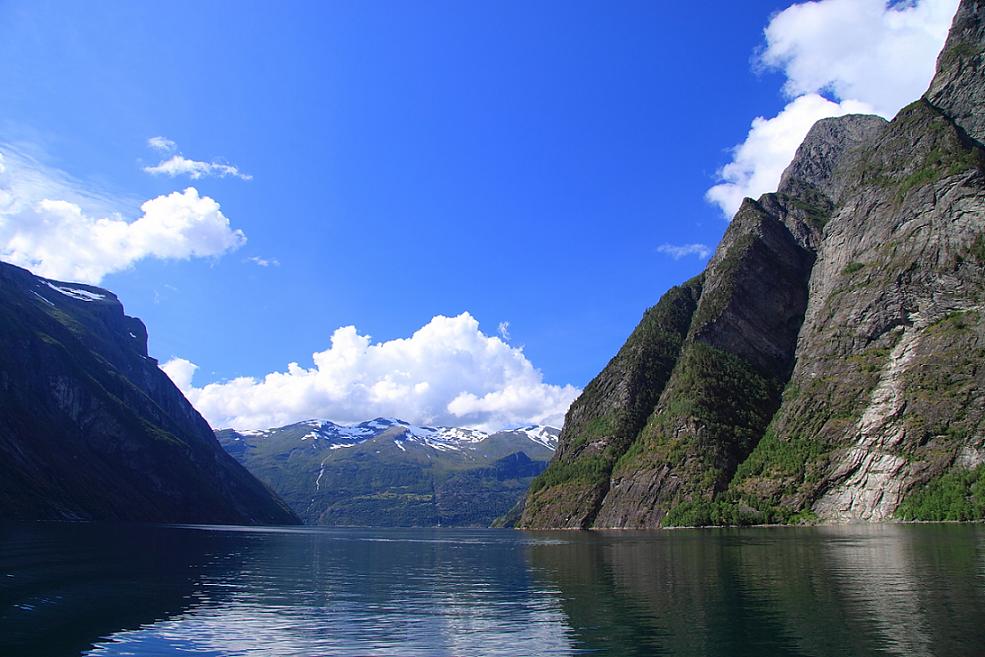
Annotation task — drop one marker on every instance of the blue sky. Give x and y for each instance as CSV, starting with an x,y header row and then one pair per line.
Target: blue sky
x,y
521,162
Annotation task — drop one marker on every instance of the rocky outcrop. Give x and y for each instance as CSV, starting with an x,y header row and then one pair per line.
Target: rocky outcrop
x,y
831,147
832,365
897,260
92,429
726,383
958,88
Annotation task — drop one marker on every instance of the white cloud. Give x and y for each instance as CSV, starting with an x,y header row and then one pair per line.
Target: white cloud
x,y
759,161
447,372
678,251
882,54
52,226
264,262
24,181
178,165
504,330
162,144
870,56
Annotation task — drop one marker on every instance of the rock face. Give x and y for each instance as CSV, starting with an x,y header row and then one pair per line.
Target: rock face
x,y
957,89
829,362
386,472
603,422
92,429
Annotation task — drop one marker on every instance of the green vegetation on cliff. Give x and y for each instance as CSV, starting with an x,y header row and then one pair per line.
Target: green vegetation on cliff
x,y
716,391
857,289
956,495
608,416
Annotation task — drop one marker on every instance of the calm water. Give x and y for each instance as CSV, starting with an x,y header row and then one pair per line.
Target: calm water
x,y
151,590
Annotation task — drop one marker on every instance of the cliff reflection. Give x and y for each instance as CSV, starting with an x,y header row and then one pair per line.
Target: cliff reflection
x,y
858,590
63,587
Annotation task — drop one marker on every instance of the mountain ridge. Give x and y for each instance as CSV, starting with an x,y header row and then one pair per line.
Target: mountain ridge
x,y
92,429
799,389
389,472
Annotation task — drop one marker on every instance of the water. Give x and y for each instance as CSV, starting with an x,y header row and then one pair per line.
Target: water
x,y
90,589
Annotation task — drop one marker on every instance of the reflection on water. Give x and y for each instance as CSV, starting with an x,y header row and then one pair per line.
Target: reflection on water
x,y
151,590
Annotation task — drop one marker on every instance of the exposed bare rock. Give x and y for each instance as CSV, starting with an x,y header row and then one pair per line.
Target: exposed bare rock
x,y
958,88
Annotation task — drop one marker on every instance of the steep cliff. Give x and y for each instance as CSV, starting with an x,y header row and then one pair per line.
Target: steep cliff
x,y
92,429
603,422
834,364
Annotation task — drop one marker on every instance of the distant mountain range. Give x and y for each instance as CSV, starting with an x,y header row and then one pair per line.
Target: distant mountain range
x,y
92,429
387,472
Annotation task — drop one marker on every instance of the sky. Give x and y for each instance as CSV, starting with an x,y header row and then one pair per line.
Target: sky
x,y
453,213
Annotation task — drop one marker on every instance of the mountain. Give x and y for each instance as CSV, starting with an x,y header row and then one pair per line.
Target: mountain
x,y
828,363
92,429
387,472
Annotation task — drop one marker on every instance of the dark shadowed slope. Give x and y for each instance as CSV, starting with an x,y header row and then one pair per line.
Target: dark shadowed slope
x,y
92,429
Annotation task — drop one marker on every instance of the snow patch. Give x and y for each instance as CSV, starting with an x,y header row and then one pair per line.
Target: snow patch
x,y
76,293
252,432
442,439
546,436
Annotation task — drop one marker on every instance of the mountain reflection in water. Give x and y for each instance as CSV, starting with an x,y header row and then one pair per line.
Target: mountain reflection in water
x,y
98,589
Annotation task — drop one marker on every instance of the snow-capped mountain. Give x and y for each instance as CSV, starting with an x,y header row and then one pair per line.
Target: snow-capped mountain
x,y
389,472
339,436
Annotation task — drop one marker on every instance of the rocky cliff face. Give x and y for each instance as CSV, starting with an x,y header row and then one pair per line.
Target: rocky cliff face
x,y
605,420
831,361
92,429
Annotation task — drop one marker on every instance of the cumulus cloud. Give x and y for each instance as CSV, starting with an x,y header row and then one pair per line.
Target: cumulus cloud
x,y
759,161
882,54
839,57
448,372
48,224
678,251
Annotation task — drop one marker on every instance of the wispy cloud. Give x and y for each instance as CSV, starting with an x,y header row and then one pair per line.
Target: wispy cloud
x,y
162,144
447,372
839,57
678,251
504,330
264,262
179,165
